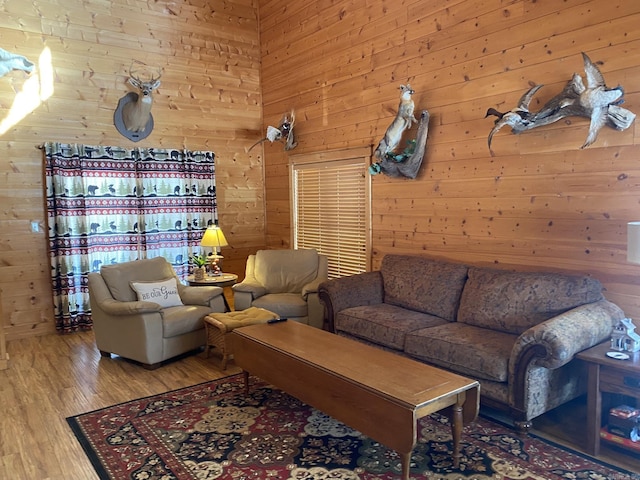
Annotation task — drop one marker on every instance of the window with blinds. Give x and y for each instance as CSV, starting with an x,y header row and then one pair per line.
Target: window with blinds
x,y
331,199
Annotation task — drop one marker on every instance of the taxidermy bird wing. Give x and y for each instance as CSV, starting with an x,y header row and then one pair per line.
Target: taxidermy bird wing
x,y
563,104
596,99
515,118
10,61
592,72
273,134
525,100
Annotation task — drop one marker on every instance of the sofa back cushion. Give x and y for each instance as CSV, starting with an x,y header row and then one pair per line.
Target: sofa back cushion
x,y
423,284
119,276
513,302
285,271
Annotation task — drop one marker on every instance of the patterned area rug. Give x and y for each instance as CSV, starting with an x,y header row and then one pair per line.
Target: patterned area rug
x,y
215,431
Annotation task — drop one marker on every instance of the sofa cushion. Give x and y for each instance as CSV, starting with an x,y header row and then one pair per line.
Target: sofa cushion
x,y
423,284
464,349
383,324
286,271
513,302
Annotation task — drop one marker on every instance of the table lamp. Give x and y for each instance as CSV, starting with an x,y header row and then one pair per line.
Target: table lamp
x,y
213,237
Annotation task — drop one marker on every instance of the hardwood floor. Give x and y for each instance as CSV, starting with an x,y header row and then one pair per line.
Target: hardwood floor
x,y
50,378
53,377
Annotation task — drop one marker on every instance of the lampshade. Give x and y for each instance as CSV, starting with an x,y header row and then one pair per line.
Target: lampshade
x,y
633,242
213,237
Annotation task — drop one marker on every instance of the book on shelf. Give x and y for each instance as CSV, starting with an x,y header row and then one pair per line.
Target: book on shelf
x,y
625,442
624,411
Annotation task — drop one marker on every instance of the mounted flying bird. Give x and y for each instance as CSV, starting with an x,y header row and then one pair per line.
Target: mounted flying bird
x,y
518,118
595,98
594,101
284,131
11,61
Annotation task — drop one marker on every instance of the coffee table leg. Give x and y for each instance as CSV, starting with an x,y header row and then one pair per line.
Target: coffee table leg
x,y
406,465
456,433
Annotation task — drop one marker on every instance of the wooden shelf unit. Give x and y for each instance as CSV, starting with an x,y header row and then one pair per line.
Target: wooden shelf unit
x,y
608,376
621,442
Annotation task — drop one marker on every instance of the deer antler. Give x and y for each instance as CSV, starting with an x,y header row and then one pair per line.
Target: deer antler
x,y
133,72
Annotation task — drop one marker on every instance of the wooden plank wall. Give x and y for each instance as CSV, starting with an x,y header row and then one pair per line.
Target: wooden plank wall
x,y
541,202
209,99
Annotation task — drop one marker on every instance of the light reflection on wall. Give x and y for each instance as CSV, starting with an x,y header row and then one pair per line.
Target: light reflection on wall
x,y
35,90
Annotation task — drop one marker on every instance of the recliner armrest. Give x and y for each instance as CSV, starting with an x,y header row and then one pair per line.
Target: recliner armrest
x,y
255,289
312,287
195,295
101,296
114,307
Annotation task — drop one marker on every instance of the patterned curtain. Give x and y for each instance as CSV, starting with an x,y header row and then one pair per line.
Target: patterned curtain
x,y
111,204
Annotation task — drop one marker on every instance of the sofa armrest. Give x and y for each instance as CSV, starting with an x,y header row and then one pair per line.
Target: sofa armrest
x,y
195,295
346,292
553,343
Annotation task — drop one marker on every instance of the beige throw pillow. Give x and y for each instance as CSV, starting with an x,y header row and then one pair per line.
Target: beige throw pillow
x,y
164,293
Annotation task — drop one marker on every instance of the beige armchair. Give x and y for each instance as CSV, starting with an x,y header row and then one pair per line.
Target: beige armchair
x,y
284,282
142,312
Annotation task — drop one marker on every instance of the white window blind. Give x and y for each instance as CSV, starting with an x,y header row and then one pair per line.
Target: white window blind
x,y
331,208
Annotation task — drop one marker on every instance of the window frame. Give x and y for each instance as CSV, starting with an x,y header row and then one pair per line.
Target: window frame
x,y
351,158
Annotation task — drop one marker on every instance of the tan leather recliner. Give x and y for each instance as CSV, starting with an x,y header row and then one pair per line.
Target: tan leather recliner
x,y
143,330
284,282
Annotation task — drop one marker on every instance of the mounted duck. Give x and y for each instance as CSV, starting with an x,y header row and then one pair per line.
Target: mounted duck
x,y
594,101
517,118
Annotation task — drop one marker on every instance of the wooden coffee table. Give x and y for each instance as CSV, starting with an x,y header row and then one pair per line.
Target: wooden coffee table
x,y
379,393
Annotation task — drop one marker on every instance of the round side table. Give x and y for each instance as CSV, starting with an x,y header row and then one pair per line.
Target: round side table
x,y
222,280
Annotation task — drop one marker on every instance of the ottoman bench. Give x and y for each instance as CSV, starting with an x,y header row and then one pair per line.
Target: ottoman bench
x,y
219,325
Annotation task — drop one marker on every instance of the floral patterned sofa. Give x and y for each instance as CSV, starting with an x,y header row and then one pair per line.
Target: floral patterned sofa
x,y
515,332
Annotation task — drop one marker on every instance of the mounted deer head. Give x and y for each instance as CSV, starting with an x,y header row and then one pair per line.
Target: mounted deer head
x,y
135,115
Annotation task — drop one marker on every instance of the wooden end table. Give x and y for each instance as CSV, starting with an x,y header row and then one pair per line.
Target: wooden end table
x,y
607,375
222,280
